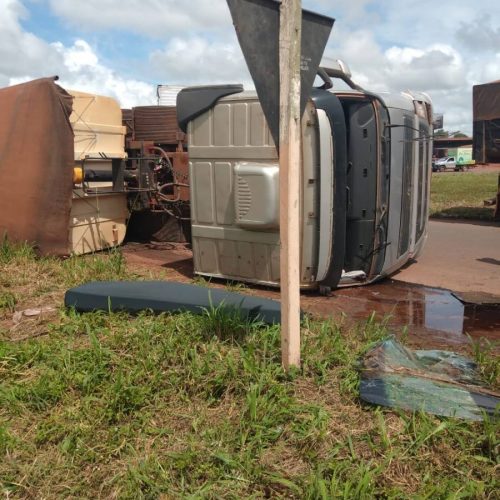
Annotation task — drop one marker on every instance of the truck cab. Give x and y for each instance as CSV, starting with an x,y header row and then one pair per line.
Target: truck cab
x,y
365,170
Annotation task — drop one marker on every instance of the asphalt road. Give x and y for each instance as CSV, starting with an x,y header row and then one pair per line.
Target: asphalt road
x,y
460,256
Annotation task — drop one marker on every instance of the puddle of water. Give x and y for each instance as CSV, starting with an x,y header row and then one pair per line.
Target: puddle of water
x,y
485,319
430,313
426,311
443,312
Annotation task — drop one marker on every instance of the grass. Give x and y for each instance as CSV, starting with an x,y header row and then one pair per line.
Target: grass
x,y
106,405
461,195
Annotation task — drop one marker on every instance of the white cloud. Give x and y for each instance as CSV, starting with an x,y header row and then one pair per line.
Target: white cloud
x,y
437,68
409,67
196,60
78,57
23,56
479,34
83,71
490,70
388,45
154,18
442,48
22,52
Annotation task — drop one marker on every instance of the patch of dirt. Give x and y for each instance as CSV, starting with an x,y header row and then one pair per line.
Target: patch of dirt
x,y
487,167
427,317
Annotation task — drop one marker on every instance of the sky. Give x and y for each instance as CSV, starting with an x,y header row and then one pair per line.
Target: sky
x,y
124,48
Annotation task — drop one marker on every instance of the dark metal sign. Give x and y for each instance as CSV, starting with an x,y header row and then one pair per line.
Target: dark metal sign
x,y
438,121
257,24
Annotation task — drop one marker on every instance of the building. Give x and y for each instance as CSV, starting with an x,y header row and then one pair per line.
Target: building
x,y
486,127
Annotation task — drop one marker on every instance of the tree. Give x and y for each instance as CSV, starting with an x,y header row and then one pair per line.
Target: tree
x,y
445,133
441,133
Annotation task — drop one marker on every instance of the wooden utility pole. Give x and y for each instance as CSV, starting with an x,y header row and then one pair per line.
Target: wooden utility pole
x,y
289,159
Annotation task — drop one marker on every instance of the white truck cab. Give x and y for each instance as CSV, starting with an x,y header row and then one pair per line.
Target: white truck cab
x,y
365,172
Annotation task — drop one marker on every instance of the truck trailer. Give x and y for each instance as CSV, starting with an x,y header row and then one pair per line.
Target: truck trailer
x,y
69,180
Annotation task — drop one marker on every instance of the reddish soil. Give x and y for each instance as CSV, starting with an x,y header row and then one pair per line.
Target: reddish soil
x,y
488,167
430,317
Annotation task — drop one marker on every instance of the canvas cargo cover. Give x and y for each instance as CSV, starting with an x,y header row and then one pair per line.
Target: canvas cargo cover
x,y
486,101
36,165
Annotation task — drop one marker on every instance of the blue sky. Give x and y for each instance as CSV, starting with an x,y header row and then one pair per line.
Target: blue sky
x,y
123,48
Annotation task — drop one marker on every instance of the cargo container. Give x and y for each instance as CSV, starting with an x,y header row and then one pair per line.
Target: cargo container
x,y
486,122
87,166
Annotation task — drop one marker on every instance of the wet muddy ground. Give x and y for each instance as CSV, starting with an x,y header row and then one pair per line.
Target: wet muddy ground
x,y
428,317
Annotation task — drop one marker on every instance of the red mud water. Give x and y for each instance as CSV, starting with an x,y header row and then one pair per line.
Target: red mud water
x,y
431,317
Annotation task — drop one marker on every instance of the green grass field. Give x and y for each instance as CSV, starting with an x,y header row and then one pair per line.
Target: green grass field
x,y
461,195
108,405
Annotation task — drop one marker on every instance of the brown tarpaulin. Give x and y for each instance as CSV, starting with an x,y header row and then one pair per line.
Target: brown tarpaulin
x,y
486,101
36,165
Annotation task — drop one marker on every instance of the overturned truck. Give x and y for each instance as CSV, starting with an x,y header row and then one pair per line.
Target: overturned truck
x,y
72,177
365,171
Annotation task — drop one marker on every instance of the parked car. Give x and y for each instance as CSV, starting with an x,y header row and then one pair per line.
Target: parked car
x,y
446,163
452,163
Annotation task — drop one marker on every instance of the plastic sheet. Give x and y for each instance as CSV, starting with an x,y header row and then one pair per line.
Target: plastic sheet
x,y
437,382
